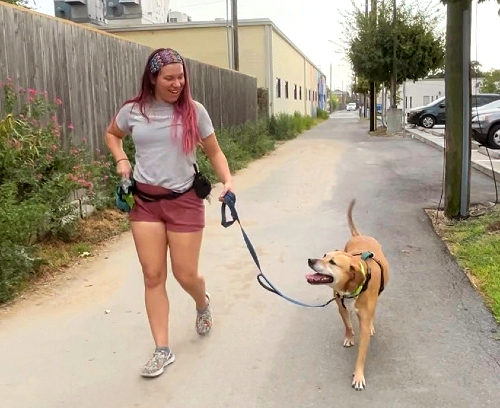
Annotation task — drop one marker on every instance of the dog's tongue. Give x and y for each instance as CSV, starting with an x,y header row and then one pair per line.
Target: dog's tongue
x,y
317,278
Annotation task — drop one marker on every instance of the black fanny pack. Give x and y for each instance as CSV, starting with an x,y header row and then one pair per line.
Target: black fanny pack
x,y
201,186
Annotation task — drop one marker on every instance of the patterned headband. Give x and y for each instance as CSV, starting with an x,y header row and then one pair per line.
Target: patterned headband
x,y
165,57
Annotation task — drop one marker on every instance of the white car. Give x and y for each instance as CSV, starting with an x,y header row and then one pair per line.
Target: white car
x,y
351,107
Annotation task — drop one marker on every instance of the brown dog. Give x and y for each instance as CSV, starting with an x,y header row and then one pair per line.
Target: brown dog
x,y
357,275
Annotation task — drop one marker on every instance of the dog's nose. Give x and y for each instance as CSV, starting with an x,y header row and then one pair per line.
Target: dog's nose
x,y
311,262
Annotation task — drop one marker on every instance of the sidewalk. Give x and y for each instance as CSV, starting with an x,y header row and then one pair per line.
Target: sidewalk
x,y
480,159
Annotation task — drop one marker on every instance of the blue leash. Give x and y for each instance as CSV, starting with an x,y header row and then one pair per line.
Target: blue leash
x,y
230,201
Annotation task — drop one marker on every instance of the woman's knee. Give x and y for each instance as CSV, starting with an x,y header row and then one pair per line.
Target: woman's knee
x,y
154,277
187,276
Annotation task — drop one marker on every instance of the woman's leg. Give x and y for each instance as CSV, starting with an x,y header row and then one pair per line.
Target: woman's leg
x,y
151,243
185,253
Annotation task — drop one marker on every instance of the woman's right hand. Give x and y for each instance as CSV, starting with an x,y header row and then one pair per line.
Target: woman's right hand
x,y
124,169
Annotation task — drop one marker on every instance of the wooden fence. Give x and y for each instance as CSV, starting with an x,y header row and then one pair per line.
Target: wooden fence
x,y
93,72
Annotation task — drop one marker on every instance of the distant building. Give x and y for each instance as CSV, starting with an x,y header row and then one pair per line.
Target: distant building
x,y
178,17
294,82
113,12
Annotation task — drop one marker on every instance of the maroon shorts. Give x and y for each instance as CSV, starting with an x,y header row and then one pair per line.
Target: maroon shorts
x,y
182,214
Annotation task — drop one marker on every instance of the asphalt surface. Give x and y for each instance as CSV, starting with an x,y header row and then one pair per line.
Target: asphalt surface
x,y
82,341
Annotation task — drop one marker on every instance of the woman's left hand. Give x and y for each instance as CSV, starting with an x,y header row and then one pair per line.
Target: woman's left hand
x,y
228,186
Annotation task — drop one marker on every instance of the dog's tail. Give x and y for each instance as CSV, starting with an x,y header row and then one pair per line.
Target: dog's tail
x,y
352,227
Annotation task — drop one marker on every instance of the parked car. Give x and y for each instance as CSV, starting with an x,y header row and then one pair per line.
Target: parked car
x,y
351,106
434,113
486,127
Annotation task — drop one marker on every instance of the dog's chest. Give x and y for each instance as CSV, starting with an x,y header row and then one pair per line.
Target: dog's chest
x,y
350,305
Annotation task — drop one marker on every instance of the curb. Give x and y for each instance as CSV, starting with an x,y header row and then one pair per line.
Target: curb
x,y
437,142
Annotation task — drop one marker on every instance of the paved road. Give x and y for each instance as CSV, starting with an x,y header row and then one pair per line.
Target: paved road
x,y
435,344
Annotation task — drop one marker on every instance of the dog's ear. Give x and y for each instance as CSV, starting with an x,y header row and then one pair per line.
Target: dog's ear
x,y
354,269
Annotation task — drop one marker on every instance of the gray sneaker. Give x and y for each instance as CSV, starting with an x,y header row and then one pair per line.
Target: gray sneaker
x,y
204,319
157,363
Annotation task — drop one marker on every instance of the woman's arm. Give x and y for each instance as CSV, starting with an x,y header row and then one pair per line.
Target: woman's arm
x,y
114,141
219,162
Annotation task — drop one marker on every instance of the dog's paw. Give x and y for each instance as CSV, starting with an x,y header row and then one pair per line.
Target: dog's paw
x,y
372,330
358,382
349,342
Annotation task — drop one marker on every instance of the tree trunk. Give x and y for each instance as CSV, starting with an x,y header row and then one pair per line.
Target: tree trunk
x,y
458,145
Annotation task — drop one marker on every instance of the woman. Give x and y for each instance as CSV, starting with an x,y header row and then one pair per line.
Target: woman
x,y
167,125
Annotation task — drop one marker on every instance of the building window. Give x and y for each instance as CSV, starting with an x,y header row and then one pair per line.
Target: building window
x,y
411,102
300,92
309,96
286,90
173,19
278,87
295,93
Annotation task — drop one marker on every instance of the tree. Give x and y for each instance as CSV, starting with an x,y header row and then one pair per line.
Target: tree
x,y
491,82
370,44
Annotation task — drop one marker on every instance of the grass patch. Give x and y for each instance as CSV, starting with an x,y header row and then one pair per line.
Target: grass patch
x,y
475,242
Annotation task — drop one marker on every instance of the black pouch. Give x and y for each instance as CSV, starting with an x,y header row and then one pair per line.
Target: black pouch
x,y
201,184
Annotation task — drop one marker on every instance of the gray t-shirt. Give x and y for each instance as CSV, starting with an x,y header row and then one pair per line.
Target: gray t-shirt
x,y
159,158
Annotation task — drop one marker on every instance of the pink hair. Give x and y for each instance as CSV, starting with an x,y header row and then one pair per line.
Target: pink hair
x,y
184,107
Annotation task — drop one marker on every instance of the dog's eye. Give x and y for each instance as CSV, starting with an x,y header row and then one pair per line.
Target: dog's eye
x,y
332,261
324,256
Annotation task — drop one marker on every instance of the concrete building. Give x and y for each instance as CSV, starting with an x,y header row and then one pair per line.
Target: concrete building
x,y
178,17
294,82
113,12
425,91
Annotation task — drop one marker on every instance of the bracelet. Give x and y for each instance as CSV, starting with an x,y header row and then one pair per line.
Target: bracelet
x,y
118,161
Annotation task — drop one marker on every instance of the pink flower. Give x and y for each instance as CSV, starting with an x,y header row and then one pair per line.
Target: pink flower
x,y
38,176
84,140
74,151
57,101
45,94
54,118
49,157
22,90
33,92
71,126
54,147
21,116
9,79
106,177
31,99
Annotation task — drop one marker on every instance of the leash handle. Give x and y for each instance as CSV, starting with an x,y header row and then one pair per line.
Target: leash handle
x,y
229,200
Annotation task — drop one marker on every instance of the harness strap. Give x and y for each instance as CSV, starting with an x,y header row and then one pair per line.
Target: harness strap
x,y
230,202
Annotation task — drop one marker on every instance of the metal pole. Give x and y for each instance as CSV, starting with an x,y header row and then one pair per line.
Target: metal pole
x,y
466,144
234,9
394,65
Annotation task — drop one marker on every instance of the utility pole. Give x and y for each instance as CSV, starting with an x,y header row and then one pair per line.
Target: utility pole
x,y
394,79
458,112
236,55
331,90
373,99
364,95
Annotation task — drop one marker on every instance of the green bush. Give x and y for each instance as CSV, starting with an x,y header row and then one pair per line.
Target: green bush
x,y
322,114
37,178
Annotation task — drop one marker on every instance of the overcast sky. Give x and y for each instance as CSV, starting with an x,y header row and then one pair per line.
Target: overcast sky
x,y
310,24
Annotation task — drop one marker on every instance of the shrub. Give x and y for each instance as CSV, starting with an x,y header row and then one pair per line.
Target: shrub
x,y
37,179
322,114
